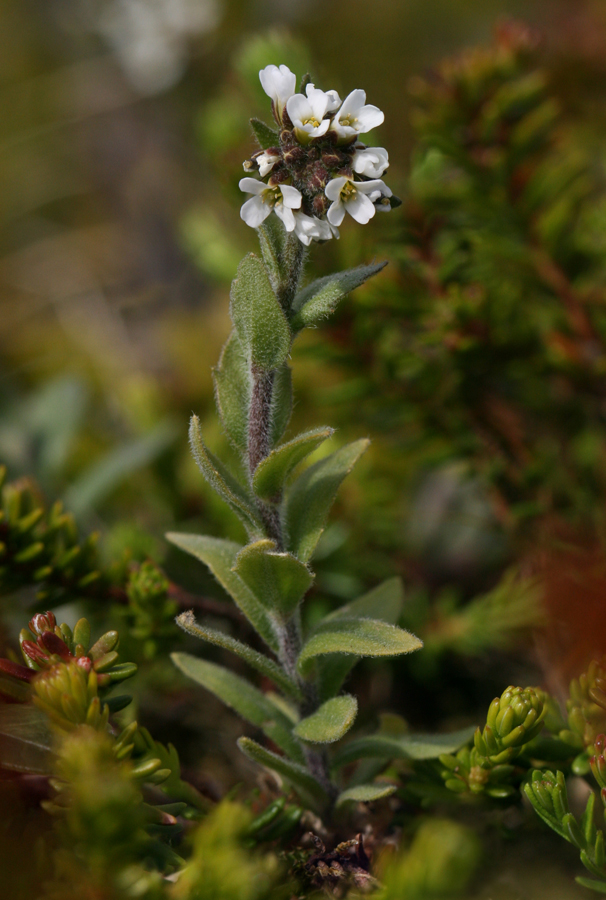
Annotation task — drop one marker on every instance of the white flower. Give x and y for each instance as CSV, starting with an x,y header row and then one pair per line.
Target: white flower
x,y
334,101
358,198
279,84
266,161
307,112
355,117
371,162
310,228
279,198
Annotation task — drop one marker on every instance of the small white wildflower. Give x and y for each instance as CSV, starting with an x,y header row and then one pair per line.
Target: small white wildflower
x,y
307,112
280,198
279,84
370,161
358,198
266,161
355,117
310,228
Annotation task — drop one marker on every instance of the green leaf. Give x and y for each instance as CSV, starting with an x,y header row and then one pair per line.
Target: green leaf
x,y
366,793
310,790
281,404
258,661
330,722
383,602
232,391
320,298
25,739
309,498
407,746
362,637
258,317
279,579
220,557
241,696
598,886
265,135
272,472
221,479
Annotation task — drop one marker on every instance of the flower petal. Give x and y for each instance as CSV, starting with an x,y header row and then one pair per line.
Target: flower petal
x,y
360,208
334,187
291,196
252,185
336,213
369,117
254,211
287,216
278,83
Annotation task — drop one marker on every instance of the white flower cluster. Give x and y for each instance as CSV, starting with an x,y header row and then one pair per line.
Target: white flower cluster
x,y
318,170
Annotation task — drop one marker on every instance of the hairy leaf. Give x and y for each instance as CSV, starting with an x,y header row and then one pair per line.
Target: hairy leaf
x,y
362,637
232,391
366,793
383,602
243,698
281,403
280,580
272,472
320,298
224,483
305,784
258,317
220,556
406,746
258,661
309,498
330,722
265,135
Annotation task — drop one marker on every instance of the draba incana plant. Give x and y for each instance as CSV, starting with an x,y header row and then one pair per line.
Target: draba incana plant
x,y
283,505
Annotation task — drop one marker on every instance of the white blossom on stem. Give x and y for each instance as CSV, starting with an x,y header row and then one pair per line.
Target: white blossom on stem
x,y
279,198
307,112
310,228
266,161
279,84
370,161
356,117
358,198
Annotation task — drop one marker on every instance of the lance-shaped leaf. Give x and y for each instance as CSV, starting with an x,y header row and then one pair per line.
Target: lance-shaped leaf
x,y
220,556
406,746
272,472
225,484
232,391
361,637
255,660
320,298
281,403
265,135
25,739
243,698
330,722
309,498
365,793
310,790
279,580
384,602
258,317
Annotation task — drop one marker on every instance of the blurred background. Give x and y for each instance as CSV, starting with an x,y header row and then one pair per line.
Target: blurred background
x,y
123,127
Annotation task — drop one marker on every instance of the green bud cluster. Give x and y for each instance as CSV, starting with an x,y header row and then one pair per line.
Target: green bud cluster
x,y
42,548
150,610
587,706
69,696
513,720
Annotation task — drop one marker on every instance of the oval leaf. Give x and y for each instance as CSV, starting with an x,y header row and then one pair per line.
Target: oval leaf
x,y
272,472
309,498
280,580
255,660
330,722
362,637
310,790
408,746
232,391
258,317
366,793
220,556
243,698
266,136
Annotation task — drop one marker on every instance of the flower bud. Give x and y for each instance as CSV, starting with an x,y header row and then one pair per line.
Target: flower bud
x,y
513,719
